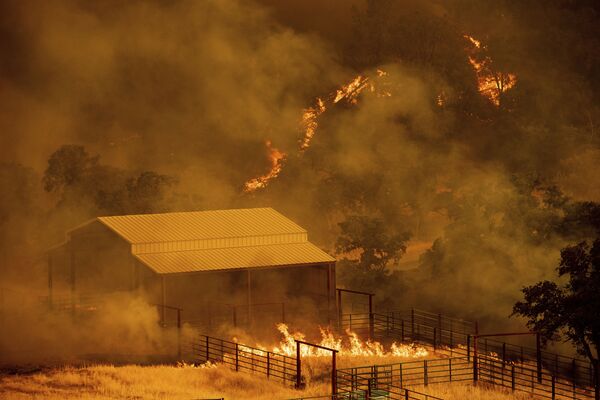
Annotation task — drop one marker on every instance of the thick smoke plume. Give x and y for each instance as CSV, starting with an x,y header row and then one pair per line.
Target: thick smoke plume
x,y
167,105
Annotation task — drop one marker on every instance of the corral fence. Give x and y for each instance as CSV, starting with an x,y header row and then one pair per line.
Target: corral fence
x,y
460,369
512,366
240,357
456,338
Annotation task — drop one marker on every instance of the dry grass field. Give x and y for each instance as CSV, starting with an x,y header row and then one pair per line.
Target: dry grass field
x,y
186,382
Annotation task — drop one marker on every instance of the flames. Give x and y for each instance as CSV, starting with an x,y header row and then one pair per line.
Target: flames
x,y
351,345
491,83
276,157
309,124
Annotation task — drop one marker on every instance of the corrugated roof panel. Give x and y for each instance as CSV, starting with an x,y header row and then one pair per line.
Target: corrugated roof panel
x,y
198,225
235,258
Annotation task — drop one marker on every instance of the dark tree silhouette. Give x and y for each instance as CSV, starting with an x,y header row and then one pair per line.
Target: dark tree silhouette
x,y
569,311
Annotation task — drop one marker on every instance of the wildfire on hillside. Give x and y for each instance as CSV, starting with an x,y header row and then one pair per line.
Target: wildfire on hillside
x,y
351,345
276,157
491,83
309,123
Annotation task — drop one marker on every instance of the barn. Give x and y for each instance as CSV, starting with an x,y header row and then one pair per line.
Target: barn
x,y
238,266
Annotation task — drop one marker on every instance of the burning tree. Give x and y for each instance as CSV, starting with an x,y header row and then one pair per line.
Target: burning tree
x,y
569,311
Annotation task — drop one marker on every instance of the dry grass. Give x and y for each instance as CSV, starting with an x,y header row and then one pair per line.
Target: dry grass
x,y
188,382
137,382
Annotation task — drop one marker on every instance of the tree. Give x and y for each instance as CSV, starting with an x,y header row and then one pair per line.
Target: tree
x,y
67,166
368,248
569,311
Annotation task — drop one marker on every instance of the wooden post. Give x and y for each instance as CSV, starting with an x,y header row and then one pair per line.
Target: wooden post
x,y
434,338
553,387
425,377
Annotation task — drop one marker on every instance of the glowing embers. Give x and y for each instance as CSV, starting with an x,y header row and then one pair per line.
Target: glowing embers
x,y
351,345
276,158
491,83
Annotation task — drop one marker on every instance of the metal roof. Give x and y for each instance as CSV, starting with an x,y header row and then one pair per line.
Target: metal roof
x,y
215,240
235,258
198,225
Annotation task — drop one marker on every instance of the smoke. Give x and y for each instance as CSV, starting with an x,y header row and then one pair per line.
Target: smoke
x,y
194,89
119,327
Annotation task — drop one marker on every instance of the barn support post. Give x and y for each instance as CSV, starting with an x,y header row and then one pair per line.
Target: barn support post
x,y
72,277
371,318
298,366
50,283
329,318
249,290
538,356
163,291
339,306
179,333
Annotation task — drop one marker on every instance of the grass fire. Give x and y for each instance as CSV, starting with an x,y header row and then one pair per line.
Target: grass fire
x,y
300,200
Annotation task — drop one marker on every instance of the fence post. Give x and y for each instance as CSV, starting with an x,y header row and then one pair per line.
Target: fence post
x,y
333,374
538,353
406,396
434,339
553,387
387,325
412,324
207,351
425,377
468,348
371,319
401,377
179,333
369,389
268,364
596,367
503,353
237,360
475,361
450,368
402,322
298,366
512,378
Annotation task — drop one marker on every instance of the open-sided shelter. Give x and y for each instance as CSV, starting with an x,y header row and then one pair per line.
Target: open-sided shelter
x,y
223,264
